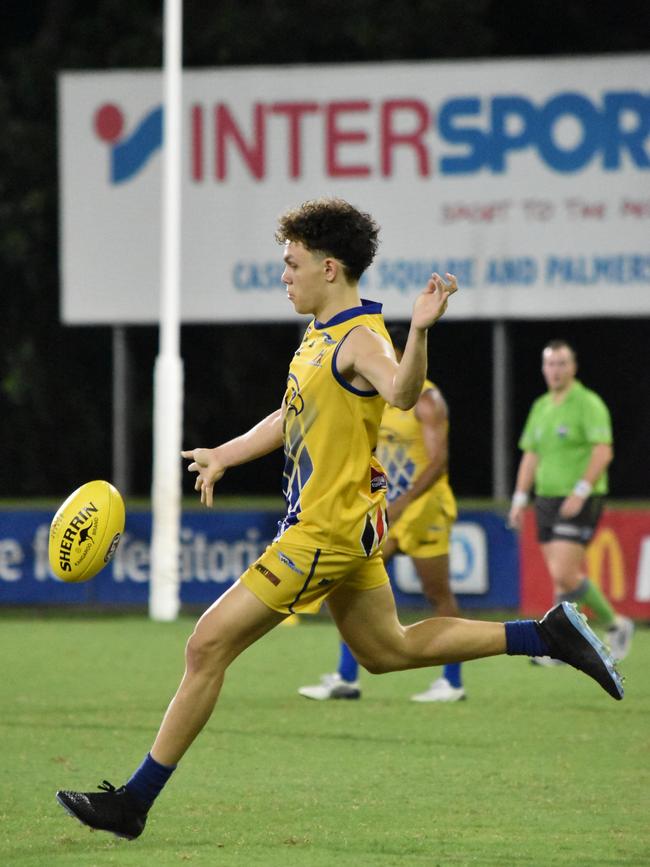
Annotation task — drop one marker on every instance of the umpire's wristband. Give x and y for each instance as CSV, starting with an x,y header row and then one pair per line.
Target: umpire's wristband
x,y
583,489
519,499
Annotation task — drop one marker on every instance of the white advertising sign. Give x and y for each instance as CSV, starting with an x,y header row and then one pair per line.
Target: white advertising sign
x,y
528,179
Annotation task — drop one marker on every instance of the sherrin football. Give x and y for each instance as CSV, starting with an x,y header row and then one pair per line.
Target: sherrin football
x,y
86,531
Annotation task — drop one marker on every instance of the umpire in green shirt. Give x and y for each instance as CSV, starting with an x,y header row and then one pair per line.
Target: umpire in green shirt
x,y
567,447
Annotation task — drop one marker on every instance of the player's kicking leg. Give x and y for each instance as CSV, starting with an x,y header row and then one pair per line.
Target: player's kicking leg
x,y
235,621
367,620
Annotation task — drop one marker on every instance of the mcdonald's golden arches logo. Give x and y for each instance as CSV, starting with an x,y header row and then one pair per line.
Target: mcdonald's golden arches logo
x,y
606,549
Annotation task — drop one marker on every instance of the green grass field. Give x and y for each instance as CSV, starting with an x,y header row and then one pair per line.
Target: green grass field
x,y
538,767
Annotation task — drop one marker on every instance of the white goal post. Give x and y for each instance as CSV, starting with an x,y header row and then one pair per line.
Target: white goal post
x,y
164,587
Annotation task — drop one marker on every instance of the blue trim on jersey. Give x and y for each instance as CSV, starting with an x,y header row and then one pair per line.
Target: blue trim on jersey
x,y
340,379
367,307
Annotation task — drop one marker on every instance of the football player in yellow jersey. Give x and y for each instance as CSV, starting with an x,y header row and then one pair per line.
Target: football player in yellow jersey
x,y
413,448
329,544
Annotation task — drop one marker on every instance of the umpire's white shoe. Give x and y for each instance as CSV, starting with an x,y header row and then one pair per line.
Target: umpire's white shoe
x,y
619,637
440,690
332,686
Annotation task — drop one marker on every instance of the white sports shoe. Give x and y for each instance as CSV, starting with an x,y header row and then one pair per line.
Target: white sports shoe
x,y
546,661
619,637
440,690
332,686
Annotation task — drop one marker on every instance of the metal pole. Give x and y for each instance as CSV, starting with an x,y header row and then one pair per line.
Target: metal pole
x,y
121,474
164,592
501,410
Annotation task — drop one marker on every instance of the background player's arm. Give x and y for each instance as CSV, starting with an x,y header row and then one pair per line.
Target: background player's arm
x,y
523,485
367,361
431,412
211,464
601,457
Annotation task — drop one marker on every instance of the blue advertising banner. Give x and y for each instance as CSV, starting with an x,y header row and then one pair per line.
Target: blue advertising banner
x,y
216,547
483,564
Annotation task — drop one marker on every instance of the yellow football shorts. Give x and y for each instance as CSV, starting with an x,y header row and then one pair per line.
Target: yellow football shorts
x,y
423,529
295,579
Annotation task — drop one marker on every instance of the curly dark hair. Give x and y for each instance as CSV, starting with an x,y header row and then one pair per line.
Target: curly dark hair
x,y
335,228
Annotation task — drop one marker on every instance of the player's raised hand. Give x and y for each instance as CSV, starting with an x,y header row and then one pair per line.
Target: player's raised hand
x,y
431,303
209,469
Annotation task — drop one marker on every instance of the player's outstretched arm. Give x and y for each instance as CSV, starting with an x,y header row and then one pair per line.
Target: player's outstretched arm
x,y
429,306
211,464
369,357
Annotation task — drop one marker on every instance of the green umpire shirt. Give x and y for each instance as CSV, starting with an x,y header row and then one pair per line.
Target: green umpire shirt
x,y
563,436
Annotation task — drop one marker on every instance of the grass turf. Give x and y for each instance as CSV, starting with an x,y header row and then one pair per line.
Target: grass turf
x,y
538,767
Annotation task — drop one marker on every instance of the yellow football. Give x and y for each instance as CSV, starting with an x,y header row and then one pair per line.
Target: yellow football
x,y
86,531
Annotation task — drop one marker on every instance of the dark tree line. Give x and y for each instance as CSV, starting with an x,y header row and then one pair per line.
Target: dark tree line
x,y
55,381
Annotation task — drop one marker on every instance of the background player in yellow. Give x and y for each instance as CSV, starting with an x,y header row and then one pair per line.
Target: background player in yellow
x,y
567,447
328,546
413,447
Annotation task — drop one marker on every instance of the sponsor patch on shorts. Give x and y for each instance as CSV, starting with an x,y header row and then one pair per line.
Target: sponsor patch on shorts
x,y
267,574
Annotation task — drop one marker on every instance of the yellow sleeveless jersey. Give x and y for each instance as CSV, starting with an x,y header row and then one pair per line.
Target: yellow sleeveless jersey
x,y
401,448
334,485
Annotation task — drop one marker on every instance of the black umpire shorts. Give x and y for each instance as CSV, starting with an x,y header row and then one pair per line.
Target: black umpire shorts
x,y
579,529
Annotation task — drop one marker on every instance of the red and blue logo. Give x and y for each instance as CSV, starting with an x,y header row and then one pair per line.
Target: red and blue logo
x,y
128,154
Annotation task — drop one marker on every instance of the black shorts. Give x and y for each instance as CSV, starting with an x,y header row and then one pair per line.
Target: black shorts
x,y
578,529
